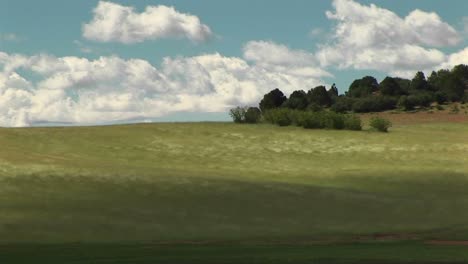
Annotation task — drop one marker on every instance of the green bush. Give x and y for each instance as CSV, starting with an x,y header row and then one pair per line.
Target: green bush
x,y
253,115
380,124
343,104
280,116
352,122
454,109
312,120
374,104
332,120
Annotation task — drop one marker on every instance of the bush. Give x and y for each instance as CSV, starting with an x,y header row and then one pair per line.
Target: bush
x,y
314,107
253,115
280,116
454,109
352,122
343,104
238,114
380,124
440,97
312,120
332,120
406,103
374,104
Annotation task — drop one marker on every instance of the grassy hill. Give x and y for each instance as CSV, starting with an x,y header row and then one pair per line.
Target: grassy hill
x,y
219,182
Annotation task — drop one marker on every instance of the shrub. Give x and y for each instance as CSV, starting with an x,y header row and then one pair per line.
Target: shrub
x,y
343,104
380,124
454,109
332,120
314,107
279,116
352,122
374,104
252,115
238,114
406,103
311,121
440,97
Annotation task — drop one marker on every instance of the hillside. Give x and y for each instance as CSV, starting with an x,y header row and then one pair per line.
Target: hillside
x,y
227,193
220,182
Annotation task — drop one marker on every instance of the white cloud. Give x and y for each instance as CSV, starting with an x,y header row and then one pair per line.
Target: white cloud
x,y
114,22
278,57
371,37
79,90
454,59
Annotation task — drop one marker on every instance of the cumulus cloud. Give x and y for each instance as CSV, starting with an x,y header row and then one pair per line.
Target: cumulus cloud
x,y
278,57
454,59
371,37
117,23
79,90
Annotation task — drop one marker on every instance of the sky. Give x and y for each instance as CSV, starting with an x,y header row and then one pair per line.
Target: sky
x,y
104,62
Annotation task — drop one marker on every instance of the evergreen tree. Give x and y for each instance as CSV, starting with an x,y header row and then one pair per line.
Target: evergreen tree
x,y
297,100
319,96
389,86
273,99
363,87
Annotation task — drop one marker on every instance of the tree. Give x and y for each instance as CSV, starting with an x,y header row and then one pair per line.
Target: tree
x,y
390,86
343,104
404,84
363,87
253,115
319,96
419,83
461,71
238,114
405,103
273,99
456,84
333,92
454,88
374,104
297,100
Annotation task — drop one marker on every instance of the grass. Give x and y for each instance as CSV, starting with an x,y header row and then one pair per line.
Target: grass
x,y
215,183
370,253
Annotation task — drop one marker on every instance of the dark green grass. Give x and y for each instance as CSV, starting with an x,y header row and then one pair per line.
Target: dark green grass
x,y
371,253
74,209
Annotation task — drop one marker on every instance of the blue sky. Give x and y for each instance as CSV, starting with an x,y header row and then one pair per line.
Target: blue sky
x,y
325,48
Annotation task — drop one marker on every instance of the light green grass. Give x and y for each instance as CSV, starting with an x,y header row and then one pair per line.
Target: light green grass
x,y
221,182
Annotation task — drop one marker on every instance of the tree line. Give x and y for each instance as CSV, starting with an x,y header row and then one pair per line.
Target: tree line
x,y
364,95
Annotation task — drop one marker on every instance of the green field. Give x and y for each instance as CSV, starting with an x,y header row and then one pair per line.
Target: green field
x,y
187,189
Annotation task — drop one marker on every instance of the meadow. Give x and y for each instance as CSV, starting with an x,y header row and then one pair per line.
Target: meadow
x,y
205,192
